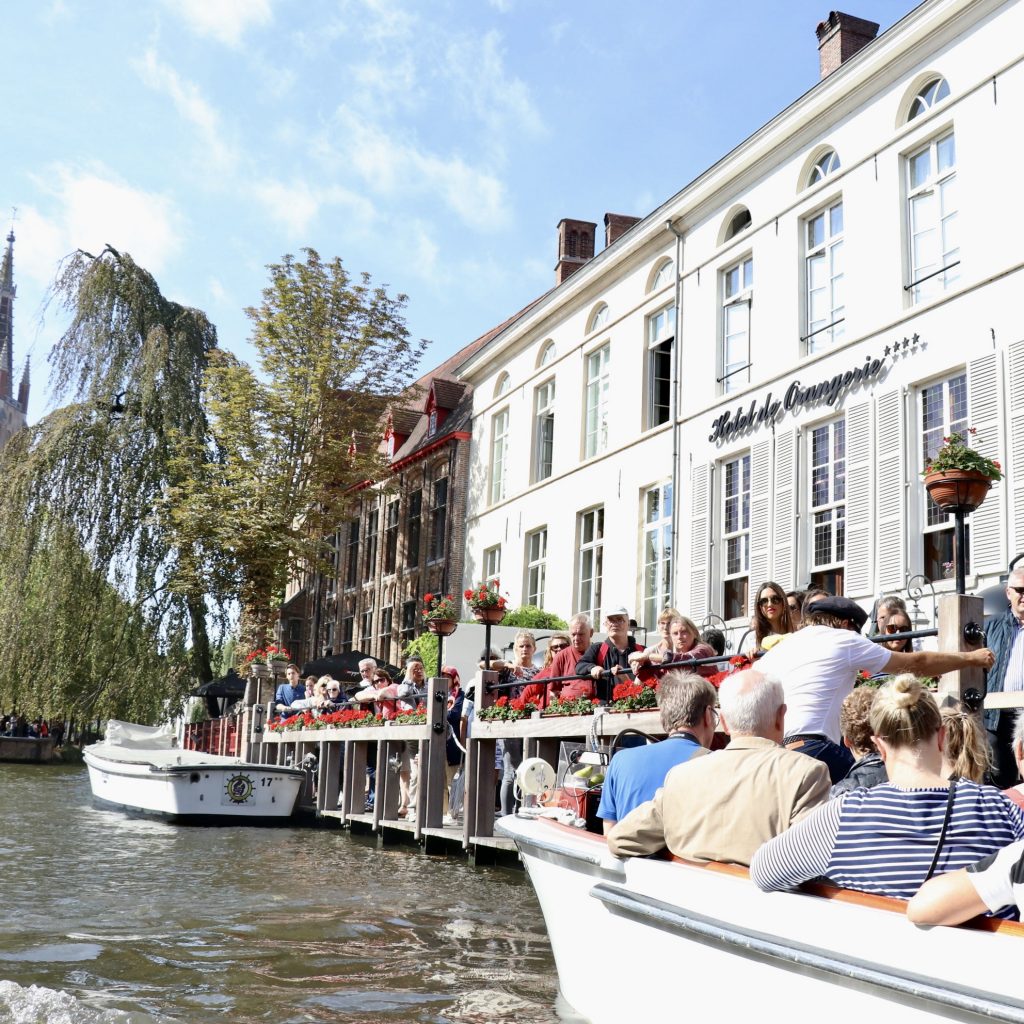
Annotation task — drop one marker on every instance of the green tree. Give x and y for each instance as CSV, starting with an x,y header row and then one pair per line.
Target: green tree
x,y
80,522
291,440
529,616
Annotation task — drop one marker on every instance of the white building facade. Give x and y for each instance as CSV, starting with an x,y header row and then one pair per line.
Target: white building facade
x,y
746,384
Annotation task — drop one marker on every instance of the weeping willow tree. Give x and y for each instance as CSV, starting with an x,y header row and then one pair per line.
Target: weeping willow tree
x,y
291,440
99,608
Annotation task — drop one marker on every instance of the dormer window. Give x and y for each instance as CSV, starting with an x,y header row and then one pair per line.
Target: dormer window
x,y
432,423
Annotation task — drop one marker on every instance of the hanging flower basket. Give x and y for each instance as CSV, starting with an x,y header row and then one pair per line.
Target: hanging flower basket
x,y
489,615
486,603
957,490
442,627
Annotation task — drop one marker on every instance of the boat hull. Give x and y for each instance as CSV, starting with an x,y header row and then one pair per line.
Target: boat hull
x,y
201,789
692,939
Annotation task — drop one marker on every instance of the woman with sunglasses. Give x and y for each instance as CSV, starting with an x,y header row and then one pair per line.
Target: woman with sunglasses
x,y
556,642
771,614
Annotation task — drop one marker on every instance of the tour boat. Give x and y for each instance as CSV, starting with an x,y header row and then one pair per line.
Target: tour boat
x,y
660,940
140,768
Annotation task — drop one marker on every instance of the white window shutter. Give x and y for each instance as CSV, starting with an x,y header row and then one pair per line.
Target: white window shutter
x,y
784,525
890,435
760,515
700,540
988,529
859,450
1015,470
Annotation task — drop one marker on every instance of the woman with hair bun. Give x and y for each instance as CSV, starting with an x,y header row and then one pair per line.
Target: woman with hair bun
x,y
890,838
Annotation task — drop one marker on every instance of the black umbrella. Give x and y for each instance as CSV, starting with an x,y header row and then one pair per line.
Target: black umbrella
x,y
231,686
345,666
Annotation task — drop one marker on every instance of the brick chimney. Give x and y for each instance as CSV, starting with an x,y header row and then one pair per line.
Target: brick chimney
x,y
840,36
575,247
616,225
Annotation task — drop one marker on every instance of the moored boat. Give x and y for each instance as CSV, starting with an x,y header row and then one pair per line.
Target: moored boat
x,y
654,940
140,768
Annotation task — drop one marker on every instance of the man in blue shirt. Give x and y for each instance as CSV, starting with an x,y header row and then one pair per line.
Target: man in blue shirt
x,y
688,716
291,690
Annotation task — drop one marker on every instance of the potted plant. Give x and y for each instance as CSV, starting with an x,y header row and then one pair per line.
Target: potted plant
x,y
441,613
277,658
959,476
487,604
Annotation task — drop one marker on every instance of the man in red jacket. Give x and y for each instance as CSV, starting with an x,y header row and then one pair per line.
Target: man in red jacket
x,y
563,663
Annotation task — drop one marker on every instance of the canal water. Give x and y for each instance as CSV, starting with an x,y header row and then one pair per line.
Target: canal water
x,y
115,920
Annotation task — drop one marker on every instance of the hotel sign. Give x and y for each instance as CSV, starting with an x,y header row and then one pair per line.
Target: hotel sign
x,y
796,397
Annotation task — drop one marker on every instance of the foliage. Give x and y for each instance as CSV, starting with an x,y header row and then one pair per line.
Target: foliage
x,y
290,443
424,647
956,453
631,696
506,710
571,706
529,616
440,606
485,595
270,654
98,607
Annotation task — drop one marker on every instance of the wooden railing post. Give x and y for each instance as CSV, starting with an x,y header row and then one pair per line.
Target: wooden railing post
x,y
432,753
479,795
956,611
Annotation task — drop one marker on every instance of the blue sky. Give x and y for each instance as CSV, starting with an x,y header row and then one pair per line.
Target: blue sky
x,y
433,144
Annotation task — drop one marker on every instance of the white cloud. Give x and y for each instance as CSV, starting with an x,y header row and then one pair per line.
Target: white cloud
x,y
90,209
224,20
217,290
296,205
393,166
190,104
504,6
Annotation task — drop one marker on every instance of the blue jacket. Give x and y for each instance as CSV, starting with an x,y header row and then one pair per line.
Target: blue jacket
x,y
999,638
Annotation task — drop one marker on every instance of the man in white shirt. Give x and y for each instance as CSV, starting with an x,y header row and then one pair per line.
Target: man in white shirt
x,y
818,666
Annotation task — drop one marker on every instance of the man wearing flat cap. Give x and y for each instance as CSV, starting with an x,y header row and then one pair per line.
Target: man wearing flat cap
x,y
818,666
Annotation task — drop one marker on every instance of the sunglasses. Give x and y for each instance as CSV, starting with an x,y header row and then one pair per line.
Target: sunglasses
x,y
891,627
557,647
770,599
1019,591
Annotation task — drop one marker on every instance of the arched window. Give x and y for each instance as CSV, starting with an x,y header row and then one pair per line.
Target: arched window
x,y
933,91
502,385
739,221
547,353
663,277
598,318
825,165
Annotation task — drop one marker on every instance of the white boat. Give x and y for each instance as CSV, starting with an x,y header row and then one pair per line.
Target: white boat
x,y
654,940
141,768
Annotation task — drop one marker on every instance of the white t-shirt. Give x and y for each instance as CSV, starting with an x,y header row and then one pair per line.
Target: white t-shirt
x,y
997,878
817,666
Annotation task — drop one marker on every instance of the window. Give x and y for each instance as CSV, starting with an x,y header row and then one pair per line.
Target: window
x,y
352,564
432,423
736,535
412,530
372,527
598,318
543,429
366,639
390,535
536,559
386,621
657,505
492,564
408,621
828,505
943,412
737,285
294,631
547,353
665,276
824,278
930,94
588,594
499,455
932,215
439,519
598,384
661,329
502,385
825,165
348,622
328,636
740,221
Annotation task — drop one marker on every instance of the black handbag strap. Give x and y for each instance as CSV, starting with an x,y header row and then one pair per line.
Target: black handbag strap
x,y
953,780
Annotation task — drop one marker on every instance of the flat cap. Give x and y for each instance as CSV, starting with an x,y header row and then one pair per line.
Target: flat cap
x,y
842,608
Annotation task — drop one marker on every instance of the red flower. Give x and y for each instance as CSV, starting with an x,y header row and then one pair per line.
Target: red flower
x,y
427,598
501,701
468,594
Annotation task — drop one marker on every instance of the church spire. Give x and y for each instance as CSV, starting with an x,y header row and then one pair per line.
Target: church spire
x,y
24,386
7,292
